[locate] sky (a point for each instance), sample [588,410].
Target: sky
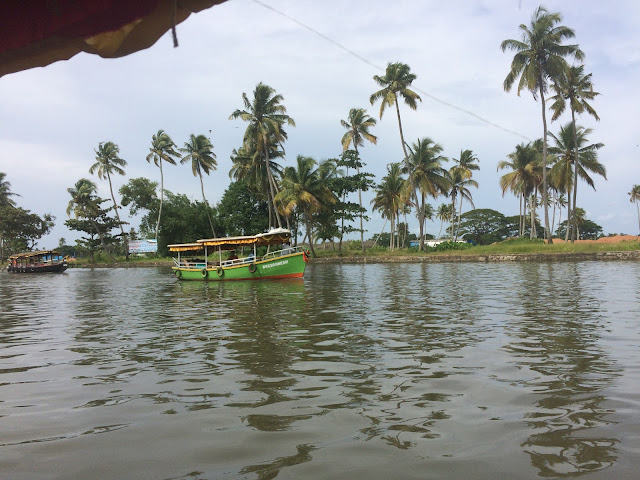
[321,56]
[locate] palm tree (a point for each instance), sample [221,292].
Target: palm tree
[84,204]
[587,161]
[466,163]
[305,188]
[5,192]
[522,178]
[395,84]
[576,88]
[108,161]
[429,177]
[539,57]
[199,150]
[459,183]
[266,116]
[162,148]
[444,214]
[634,195]
[358,124]
[390,196]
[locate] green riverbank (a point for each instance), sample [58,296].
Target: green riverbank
[518,250]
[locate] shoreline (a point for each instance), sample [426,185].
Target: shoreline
[443,258]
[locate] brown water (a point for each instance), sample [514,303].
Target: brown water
[358,371]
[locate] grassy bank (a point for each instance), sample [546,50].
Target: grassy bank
[508,247]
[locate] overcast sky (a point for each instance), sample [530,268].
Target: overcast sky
[52,118]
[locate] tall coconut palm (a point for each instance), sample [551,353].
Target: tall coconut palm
[586,161]
[266,117]
[522,178]
[305,188]
[634,195]
[395,85]
[540,57]
[107,162]
[84,204]
[6,193]
[199,151]
[162,149]
[358,124]
[429,177]
[459,183]
[575,88]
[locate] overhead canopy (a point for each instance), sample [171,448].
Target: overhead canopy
[35,33]
[273,237]
[34,254]
[185,247]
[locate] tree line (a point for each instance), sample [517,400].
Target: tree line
[312,197]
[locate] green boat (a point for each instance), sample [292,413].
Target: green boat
[281,261]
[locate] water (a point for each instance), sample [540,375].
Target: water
[400,371]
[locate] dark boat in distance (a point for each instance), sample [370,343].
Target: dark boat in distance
[37,262]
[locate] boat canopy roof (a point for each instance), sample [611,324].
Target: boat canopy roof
[38,253]
[272,237]
[185,247]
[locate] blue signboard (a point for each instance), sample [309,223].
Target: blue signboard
[143,246]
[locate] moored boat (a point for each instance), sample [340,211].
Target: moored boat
[192,262]
[37,262]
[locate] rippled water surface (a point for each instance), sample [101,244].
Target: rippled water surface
[358,372]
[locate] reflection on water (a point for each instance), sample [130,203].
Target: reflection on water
[357,371]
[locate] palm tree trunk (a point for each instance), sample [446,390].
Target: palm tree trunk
[453,213]
[532,210]
[161,199]
[576,167]
[459,216]
[521,218]
[206,204]
[545,201]
[569,212]
[271,184]
[104,246]
[553,217]
[441,224]
[309,234]
[115,206]
[355,145]
[638,209]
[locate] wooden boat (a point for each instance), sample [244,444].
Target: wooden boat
[285,262]
[37,262]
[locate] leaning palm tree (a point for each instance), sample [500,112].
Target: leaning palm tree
[576,88]
[586,161]
[199,151]
[84,204]
[358,124]
[6,193]
[429,177]
[107,162]
[266,117]
[162,149]
[305,188]
[521,180]
[634,195]
[540,57]
[459,183]
[395,84]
